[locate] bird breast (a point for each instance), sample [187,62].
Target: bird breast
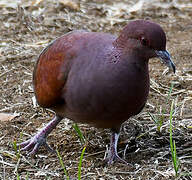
[105,92]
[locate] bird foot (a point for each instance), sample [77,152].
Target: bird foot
[115,157]
[32,145]
[112,152]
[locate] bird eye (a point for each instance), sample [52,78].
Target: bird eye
[144,41]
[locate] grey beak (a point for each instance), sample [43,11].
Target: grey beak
[166,59]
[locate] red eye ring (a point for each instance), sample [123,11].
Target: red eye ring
[144,41]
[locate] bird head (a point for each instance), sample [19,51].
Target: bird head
[146,39]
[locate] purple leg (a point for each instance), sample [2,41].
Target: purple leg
[112,154]
[32,145]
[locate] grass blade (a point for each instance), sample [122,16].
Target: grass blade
[169,94]
[172,143]
[62,165]
[80,163]
[79,133]
[18,177]
[17,151]
[157,121]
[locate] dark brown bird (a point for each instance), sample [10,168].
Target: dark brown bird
[97,78]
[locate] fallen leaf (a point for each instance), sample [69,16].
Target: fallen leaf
[7,117]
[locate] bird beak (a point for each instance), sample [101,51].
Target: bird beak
[166,58]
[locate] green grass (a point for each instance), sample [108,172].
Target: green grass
[159,120]
[80,163]
[27,176]
[79,166]
[62,165]
[172,144]
[79,133]
[17,151]
[18,156]
[18,177]
[82,139]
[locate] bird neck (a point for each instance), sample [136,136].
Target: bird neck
[120,42]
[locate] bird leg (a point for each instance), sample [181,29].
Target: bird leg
[32,145]
[112,153]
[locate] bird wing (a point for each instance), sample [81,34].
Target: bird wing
[52,68]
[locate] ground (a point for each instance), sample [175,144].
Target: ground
[28,26]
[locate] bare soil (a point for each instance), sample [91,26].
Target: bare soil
[26,27]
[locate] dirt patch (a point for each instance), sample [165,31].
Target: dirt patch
[28,26]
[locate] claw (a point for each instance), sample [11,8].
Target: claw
[112,154]
[28,146]
[23,144]
[115,157]
[32,145]
[35,150]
